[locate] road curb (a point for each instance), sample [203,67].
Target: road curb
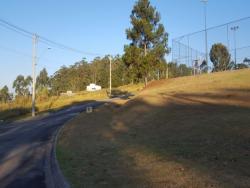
[59,180]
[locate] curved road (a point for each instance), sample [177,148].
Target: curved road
[26,150]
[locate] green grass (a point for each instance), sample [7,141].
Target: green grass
[183,132]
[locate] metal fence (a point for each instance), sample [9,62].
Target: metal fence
[190,50]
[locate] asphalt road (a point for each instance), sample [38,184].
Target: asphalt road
[26,150]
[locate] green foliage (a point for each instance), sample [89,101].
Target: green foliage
[241,66]
[246,61]
[148,41]
[43,94]
[4,94]
[42,80]
[133,61]
[119,72]
[81,74]
[176,70]
[22,84]
[220,57]
[75,78]
[204,67]
[100,71]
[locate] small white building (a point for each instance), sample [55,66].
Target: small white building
[68,93]
[93,87]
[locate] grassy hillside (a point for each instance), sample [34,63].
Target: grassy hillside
[183,132]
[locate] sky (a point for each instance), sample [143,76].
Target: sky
[96,26]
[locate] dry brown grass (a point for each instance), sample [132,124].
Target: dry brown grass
[22,107]
[184,132]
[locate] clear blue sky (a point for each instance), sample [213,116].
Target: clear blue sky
[96,26]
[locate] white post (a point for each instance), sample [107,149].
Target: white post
[34,43]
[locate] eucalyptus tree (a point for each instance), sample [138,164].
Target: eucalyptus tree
[4,94]
[220,57]
[22,85]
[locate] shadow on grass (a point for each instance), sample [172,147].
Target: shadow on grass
[183,140]
[13,113]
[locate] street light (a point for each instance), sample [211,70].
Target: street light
[205,20]
[234,29]
[43,53]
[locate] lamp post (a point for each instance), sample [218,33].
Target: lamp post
[205,22]
[234,29]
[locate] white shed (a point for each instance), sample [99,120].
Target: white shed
[93,87]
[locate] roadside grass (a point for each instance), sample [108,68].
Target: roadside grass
[183,132]
[22,108]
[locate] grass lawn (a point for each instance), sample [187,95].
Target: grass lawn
[183,132]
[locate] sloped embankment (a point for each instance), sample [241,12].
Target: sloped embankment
[184,132]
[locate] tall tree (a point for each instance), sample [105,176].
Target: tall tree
[220,57]
[42,80]
[147,34]
[22,84]
[4,94]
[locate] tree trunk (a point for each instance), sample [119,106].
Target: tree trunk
[146,81]
[145,49]
[145,53]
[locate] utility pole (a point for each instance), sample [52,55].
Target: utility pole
[205,21]
[234,29]
[34,59]
[110,76]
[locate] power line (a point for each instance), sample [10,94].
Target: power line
[42,39]
[16,27]
[17,52]
[64,47]
[14,51]
[12,29]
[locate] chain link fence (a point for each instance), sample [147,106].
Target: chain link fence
[190,49]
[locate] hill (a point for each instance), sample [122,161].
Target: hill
[183,132]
